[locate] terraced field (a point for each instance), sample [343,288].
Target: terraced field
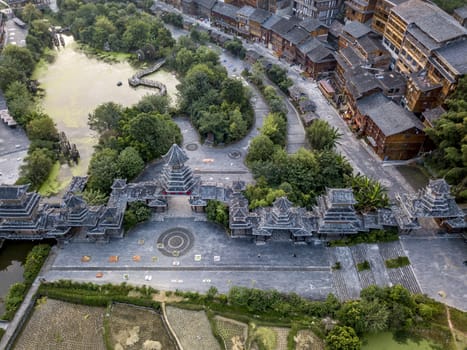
[59,325]
[133,327]
[232,332]
[192,329]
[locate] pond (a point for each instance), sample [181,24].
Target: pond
[12,257]
[386,341]
[75,85]
[415,175]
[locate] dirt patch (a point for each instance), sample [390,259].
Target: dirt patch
[192,329]
[306,340]
[63,326]
[132,327]
[162,297]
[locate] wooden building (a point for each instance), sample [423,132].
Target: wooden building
[266,30]
[320,62]
[224,16]
[381,14]
[324,10]
[359,10]
[352,31]
[198,8]
[256,20]
[393,132]
[279,31]
[315,28]
[243,20]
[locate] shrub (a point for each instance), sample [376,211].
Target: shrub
[400,261]
[363,266]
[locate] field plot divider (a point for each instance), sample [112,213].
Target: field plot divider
[169,327]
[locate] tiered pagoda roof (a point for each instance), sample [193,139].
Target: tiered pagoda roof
[175,156]
[17,203]
[176,177]
[336,213]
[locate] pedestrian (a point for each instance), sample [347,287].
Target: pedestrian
[294,255]
[259,255]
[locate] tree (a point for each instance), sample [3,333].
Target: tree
[136,34]
[218,212]
[29,13]
[342,338]
[102,28]
[16,65]
[322,136]
[130,163]
[105,117]
[275,127]
[151,134]
[42,128]
[153,103]
[36,168]
[369,194]
[20,102]
[95,197]
[235,46]
[103,169]
[261,149]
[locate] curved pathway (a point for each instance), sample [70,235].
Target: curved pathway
[138,79]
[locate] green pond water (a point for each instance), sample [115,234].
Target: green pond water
[12,257]
[386,341]
[75,85]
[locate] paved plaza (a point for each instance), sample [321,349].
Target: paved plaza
[212,258]
[438,265]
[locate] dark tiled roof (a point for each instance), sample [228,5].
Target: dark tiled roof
[461,12]
[389,116]
[356,29]
[370,44]
[226,10]
[260,16]
[320,53]
[205,3]
[433,114]
[296,36]
[336,28]
[284,26]
[8,192]
[341,196]
[246,11]
[430,19]
[308,45]
[391,80]
[175,156]
[311,24]
[271,21]
[456,55]
[422,37]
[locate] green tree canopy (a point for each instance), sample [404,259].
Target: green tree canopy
[20,102]
[342,338]
[36,168]
[322,136]
[130,163]
[42,128]
[105,117]
[103,169]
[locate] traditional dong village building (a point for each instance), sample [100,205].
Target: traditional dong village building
[324,10]
[359,10]
[429,47]
[392,131]
[24,216]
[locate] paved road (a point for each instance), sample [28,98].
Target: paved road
[14,34]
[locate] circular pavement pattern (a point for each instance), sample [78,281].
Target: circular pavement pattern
[175,242]
[235,154]
[191,147]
